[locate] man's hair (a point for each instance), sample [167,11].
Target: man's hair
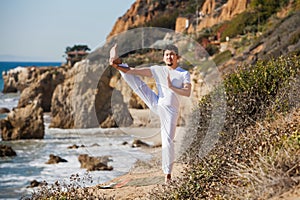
[171,47]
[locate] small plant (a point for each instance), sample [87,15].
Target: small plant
[76,188]
[222,57]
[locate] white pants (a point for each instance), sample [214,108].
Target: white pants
[168,118]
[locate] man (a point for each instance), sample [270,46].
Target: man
[171,81]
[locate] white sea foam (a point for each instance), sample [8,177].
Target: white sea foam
[9,101]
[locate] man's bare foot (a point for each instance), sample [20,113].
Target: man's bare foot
[168,178]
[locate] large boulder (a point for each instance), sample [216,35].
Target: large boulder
[94,163]
[85,100]
[24,123]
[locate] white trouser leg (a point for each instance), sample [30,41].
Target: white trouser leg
[168,120]
[142,90]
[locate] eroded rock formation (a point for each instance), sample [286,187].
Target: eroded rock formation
[43,86]
[24,123]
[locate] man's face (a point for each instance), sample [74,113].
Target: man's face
[170,58]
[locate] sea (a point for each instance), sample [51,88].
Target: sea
[17,172]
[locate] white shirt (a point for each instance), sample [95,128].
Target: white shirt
[178,77]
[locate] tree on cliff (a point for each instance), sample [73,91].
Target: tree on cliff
[77,48]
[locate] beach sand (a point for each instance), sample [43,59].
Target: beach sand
[144,176]
[136,184]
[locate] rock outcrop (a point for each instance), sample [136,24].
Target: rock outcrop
[85,99]
[43,86]
[24,123]
[94,163]
[19,78]
[142,12]
[6,151]
[213,12]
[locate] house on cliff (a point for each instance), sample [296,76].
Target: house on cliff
[75,56]
[76,53]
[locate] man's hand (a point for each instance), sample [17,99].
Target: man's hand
[115,62]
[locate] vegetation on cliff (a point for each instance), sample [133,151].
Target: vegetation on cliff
[256,155]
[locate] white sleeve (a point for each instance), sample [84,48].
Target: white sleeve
[154,69]
[187,77]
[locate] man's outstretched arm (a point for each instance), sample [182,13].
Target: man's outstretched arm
[136,71]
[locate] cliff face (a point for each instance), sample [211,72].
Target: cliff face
[143,11]
[214,11]
[211,12]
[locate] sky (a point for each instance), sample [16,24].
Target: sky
[40,30]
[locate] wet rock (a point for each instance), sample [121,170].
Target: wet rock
[74,146]
[4,110]
[55,159]
[94,163]
[6,151]
[36,183]
[95,145]
[139,143]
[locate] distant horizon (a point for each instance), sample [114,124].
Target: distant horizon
[13,58]
[31,61]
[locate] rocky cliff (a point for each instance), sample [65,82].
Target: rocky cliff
[210,12]
[214,11]
[143,11]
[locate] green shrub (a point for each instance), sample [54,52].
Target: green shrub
[166,20]
[222,57]
[267,7]
[240,24]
